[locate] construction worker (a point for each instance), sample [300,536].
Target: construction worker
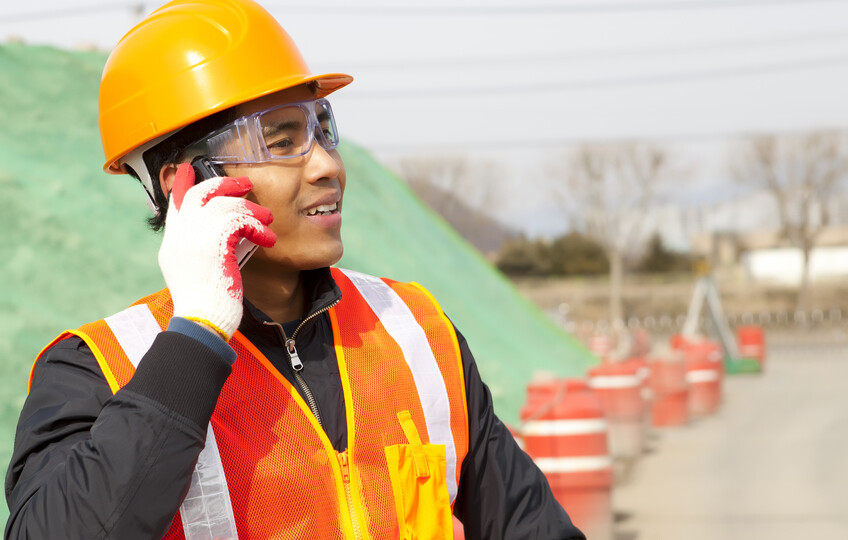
[281,399]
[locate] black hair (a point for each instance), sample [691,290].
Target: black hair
[171,151]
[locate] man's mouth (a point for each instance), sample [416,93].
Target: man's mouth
[322,210]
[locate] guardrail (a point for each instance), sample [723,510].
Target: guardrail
[672,322]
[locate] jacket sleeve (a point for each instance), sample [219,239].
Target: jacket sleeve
[501,492]
[87,464]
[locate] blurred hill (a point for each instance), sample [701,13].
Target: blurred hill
[77,248]
[478,228]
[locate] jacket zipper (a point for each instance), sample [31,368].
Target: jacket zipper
[294,359]
[297,366]
[345,467]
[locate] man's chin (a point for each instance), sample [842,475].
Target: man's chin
[320,257]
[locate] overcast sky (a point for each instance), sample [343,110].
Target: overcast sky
[519,79]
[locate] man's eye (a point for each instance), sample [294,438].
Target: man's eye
[281,145]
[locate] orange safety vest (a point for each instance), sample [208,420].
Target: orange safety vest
[268,469]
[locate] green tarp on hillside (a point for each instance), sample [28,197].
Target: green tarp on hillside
[76,246]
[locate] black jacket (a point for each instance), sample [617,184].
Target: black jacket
[88,465]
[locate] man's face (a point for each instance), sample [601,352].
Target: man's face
[294,189]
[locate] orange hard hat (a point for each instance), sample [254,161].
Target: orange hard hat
[190,59]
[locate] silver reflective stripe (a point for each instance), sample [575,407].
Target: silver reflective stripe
[135,329]
[401,325]
[207,511]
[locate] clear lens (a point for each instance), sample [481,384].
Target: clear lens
[326,125]
[282,132]
[285,132]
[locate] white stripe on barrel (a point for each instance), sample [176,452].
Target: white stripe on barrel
[573,464]
[549,428]
[614,381]
[697,376]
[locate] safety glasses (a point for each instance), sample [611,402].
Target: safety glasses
[282,132]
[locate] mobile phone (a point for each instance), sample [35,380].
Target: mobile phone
[204,170]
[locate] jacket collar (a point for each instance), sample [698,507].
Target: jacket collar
[321,293]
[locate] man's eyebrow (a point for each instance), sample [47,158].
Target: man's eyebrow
[323,116]
[281,126]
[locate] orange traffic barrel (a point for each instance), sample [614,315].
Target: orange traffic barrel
[702,348]
[565,432]
[751,342]
[619,386]
[704,373]
[670,390]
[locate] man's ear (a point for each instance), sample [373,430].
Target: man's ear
[166,178]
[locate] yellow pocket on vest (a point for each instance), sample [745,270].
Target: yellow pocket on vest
[417,473]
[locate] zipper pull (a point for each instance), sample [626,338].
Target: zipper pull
[296,364]
[344,466]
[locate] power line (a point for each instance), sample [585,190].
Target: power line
[534,9]
[446,10]
[531,87]
[68,12]
[667,49]
[559,142]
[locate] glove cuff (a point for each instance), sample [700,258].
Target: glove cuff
[210,324]
[223,322]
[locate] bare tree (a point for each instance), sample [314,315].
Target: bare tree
[802,173]
[461,190]
[434,179]
[608,189]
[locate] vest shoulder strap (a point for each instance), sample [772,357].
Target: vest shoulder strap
[427,341]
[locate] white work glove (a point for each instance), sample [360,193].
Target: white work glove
[197,256]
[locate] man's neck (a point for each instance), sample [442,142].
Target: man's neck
[278,294]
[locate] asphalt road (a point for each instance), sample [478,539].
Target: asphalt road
[771,464]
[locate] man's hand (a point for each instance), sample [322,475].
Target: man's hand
[197,256]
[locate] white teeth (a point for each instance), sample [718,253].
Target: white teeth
[323,209]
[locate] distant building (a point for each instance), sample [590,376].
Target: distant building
[741,238]
[766,256]
[785,265]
